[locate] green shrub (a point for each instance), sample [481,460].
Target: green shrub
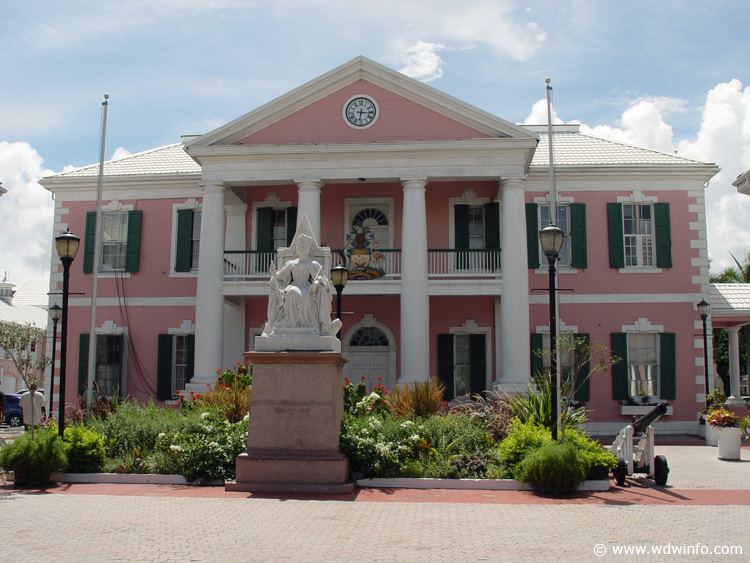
[135,427]
[554,468]
[535,405]
[207,448]
[86,452]
[34,460]
[493,409]
[599,461]
[357,401]
[378,446]
[524,438]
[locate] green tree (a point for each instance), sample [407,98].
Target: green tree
[732,274]
[17,341]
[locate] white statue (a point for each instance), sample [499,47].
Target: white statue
[299,300]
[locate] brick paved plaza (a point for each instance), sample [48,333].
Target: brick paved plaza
[705,504]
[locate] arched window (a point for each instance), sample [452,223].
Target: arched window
[370,217]
[369,337]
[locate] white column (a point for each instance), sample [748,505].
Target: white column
[235,342]
[209,307]
[415,299]
[735,397]
[515,336]
[308,194]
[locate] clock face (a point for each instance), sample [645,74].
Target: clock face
[360,111]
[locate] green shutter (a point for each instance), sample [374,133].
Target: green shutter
[492,226]
[190,371]
[616,236]
[184,240]
[461,227]
[619,348]
[89,243]
[532,234]
[264,229]
[83,363]
[291,224]
[478,359]
[537,361]
[164,389]
[663,235]
[578,250]
[133,249]
[583,384]
[667,366]
[445,364]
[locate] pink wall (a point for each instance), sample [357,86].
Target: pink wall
[399,120]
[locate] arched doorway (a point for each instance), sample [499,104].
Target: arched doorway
[371,351]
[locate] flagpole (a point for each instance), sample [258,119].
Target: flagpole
[97,263]
[554,348]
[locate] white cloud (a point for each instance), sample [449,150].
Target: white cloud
[120,153]
[423,62]
[642,125]
[724,138]
[538,114]
[26,214]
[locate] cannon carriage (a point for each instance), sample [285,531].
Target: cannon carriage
[634,450]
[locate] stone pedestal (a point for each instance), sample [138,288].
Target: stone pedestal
[296,405]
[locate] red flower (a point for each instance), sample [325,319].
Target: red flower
[346,380]
[379,378]
[363,377]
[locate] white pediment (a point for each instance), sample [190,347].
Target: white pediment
[357,69]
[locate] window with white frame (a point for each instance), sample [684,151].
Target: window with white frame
[563,222]
[187,247]
[114,240]
[462,372]
[643,363]
[180,361]
[109,358]
[278,228]
[638,229]
[565,343]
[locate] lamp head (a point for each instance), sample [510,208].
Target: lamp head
[55,312]
[67,245]
[703,309]
[339,277]
[551,238]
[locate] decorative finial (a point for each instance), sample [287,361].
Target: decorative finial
[546,80]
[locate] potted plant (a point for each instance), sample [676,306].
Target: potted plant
[714,401]
[730,436]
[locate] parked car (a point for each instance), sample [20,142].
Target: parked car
[13,411]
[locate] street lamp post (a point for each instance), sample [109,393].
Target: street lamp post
[67,248]
[339,277]
[551,238]
[55,312]
[704,308]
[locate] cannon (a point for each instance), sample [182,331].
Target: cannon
[634,449]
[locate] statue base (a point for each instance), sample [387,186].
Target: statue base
[281,342]
[296,405]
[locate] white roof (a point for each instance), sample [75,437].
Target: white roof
[730,299]
[34,293]
[573,148]
[23,315]
[170,159]
[570,149]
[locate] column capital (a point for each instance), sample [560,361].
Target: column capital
[513,182]
[213,188]
[414,183]
[309,184]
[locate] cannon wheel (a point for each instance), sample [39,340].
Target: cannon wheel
[619,472]
[661,470]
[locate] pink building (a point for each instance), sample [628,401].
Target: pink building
[434,206]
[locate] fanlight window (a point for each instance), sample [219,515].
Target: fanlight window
[369,337]
[370,217]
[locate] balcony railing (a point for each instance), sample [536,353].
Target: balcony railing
[449,262]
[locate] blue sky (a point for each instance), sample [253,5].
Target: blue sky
[665,75]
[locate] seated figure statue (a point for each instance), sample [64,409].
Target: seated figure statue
[299,303]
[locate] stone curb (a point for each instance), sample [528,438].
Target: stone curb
[124,479]
[469,484]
